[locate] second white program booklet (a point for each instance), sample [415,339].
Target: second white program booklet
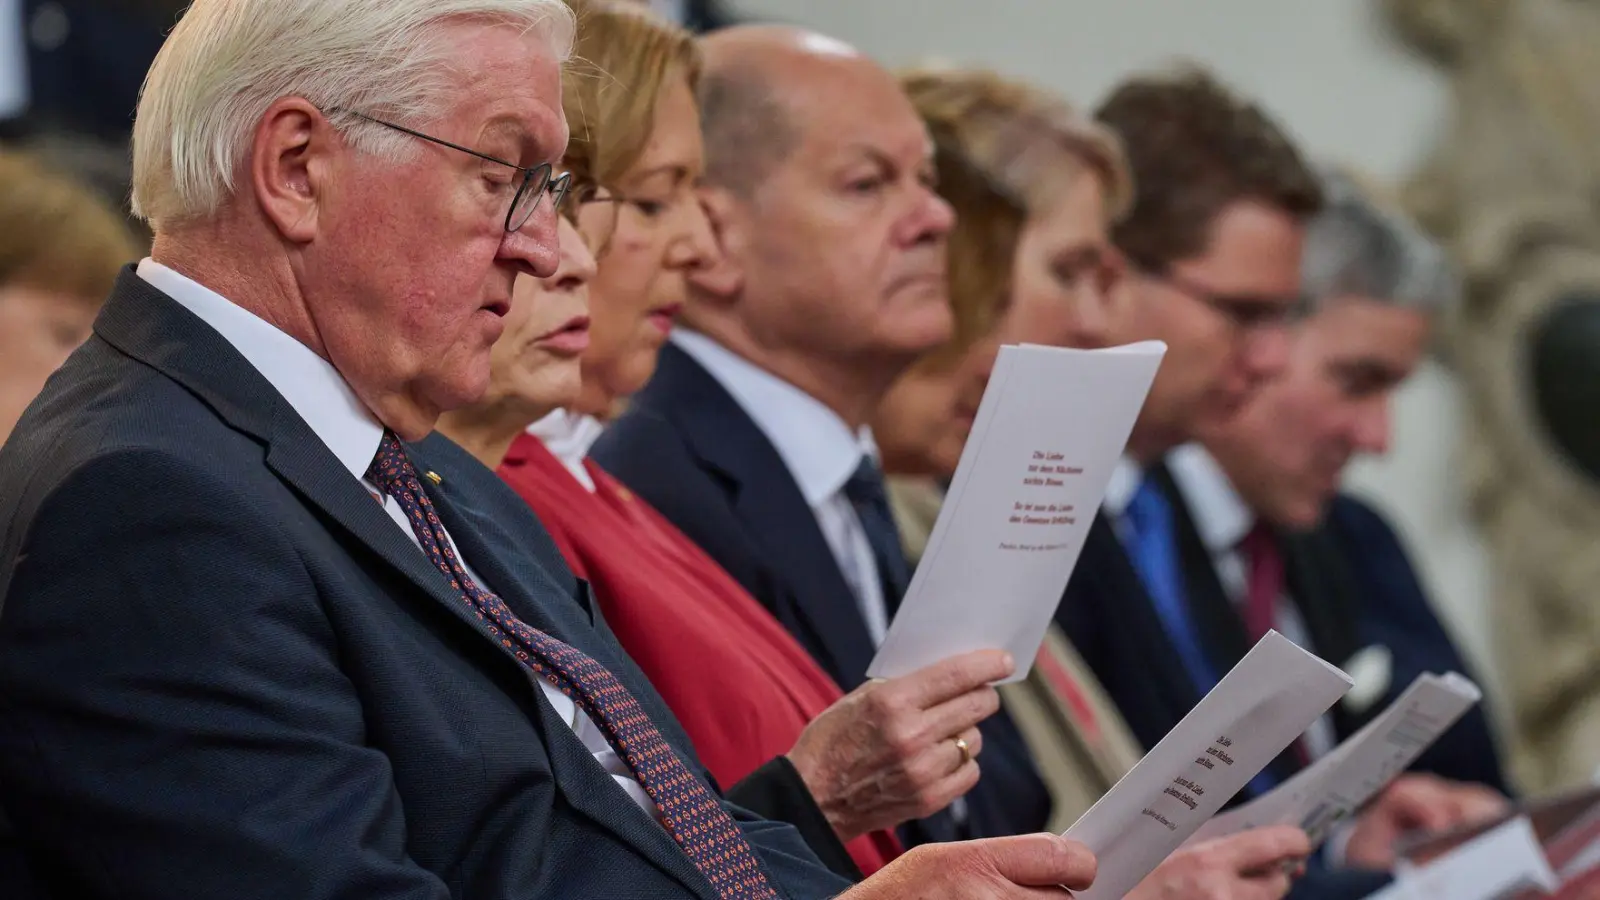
[1051,427]
[1270,698]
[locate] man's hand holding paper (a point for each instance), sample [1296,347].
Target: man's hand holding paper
[1026,867]
[1259,864]
[897,750]
[1417,803]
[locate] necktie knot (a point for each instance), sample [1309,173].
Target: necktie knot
[1148,510]
[866,483]
[390,467]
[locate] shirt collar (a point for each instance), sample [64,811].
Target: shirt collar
[311,385]
[1220,514]
[816,445]
[1124,483]
[569,436]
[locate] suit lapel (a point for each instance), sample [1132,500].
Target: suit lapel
[155,329]
[312,470]
[1223,632]
[1323,590]
[1124,593]
[592,793]
[1223,635]
[817,600]
[824,603]
[505,563]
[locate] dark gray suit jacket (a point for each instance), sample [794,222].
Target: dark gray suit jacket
[225,672]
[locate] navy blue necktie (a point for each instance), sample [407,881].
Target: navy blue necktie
[866,493]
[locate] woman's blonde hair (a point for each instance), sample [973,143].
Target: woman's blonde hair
[1004,150]
[624,58]
[57,235]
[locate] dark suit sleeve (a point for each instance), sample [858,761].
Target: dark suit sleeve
[1397,614]
[173,718]
[776,791]
[787,849]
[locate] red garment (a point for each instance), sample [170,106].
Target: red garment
[739,683]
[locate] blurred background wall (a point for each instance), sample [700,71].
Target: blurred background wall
[1332,73]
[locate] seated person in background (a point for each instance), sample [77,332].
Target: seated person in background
[261,635]
[768,722]
[61,248]
[1287,549]
[1213,240]
[752,436]
[1033,186]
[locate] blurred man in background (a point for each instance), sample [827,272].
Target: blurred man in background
[1214,243]
[1288,550]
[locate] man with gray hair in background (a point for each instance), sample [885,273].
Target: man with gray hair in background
[1294,553]
[260,635]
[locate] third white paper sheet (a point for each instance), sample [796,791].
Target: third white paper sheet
[1340,783]
[1052,424]
[1497,864]
[1257,710]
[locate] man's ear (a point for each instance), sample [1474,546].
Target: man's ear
[290,166]
[722,278]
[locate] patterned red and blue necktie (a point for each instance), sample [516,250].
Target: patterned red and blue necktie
[692,814]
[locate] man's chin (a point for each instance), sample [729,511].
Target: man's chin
[455,390]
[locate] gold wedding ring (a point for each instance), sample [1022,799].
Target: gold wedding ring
[966,752]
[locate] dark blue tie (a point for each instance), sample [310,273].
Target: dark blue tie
[865,492]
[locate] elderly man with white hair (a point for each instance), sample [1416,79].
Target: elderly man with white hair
[260,636]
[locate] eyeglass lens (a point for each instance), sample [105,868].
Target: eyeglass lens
[535,185]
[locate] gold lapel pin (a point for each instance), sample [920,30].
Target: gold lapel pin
[434,477]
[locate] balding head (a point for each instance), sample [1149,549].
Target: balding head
[819,190]
[758,87]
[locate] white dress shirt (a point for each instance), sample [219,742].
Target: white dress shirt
[821,453]
[569,436]
[322,398]
[1125,479]
[1223,520]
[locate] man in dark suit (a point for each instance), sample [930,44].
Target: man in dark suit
[1214,242]
[752,435]
[1284,548]
[259,635]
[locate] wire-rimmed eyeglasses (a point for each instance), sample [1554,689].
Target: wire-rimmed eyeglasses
[536,181]
[1248,313]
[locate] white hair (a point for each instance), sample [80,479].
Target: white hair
[227,61]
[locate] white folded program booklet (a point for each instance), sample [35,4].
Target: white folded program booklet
[1051,427]
[1501,863]
[1270,698]
[1339,784]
